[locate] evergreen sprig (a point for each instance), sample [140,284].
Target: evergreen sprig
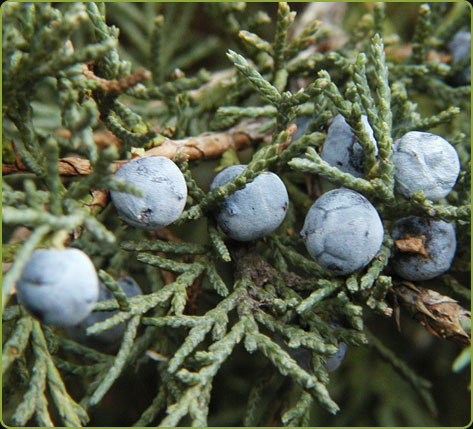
[70,91]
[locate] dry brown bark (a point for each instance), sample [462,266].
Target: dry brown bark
[207,145]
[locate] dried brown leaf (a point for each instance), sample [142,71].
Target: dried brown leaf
[439,314]
[412,245]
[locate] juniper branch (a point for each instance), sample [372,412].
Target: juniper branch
[120,361]
[421,34]
[27,406]
[70,412]
[267,90]
[16,344]
[142,303]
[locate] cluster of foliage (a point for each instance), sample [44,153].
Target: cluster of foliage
[224,326]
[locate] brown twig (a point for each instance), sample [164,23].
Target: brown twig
[207,145]
[120,85]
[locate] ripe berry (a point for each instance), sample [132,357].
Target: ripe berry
[336,360]
[302,123]
[165,192]
[110,337]
[58,286]
[460,47]
[425,162]
[255,210]
[341,149]
[434,250]
[342,231]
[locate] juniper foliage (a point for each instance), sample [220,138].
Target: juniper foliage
[224,333]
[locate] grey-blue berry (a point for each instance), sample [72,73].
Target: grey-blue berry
[460,47]
[439,245]
[302,123]
[334,362]
[255,210]
[165,192]
[301,355]
[425,162]
[58,286]
[341,149]
[342,231]
[110,337]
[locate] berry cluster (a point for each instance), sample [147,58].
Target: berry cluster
[342,238]
[342,230]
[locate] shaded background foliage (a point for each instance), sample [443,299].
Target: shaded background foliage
[191,37]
